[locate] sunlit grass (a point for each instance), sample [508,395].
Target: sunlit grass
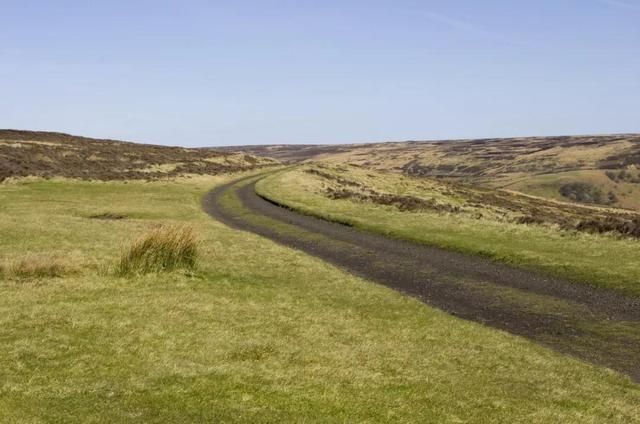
[260,333]
[36,266]
[162,249]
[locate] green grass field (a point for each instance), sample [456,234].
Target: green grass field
[601,260]
[256,333]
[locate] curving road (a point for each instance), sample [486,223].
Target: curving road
[599,326]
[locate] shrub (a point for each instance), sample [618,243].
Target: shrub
[624,176]
[613,176]
[163,249]
[583,193]
[529,219]
[626,227]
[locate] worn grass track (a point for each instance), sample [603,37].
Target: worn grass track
[596,325]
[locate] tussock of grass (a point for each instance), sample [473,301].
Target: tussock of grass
[163,249]
[35,266]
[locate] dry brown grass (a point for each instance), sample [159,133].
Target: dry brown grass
[164,248]
[35,266]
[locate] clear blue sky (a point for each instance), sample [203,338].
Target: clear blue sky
[249,72]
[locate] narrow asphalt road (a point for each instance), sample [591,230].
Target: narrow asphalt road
[599,326]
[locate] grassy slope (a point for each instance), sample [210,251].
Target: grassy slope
[600,260]
[48,154]
[548,186]
[261,333]
[533,165]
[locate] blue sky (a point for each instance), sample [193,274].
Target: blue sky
[204,73]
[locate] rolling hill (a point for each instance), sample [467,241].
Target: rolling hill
[603,170]
[51,154]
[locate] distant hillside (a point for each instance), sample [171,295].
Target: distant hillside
[601,170]
[49,154]
[292,153]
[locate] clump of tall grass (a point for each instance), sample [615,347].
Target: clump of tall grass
[35,266]
[164,248]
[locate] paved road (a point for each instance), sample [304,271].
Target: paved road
[599,326]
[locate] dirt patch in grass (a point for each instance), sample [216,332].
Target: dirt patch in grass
[108,216]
